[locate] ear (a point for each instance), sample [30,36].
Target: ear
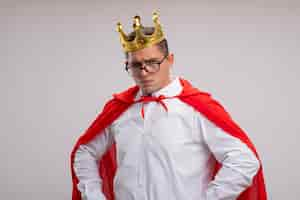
[171,58]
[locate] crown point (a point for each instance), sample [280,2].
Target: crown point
[137,21]
[119,26]
[137,17]
[155,16]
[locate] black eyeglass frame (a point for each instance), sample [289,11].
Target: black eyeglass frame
[144,66]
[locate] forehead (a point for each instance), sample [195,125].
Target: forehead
[145,54]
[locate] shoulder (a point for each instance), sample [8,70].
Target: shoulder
[124,96]
[201,100]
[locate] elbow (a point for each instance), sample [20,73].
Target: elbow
[251,167]
[246,164]
[255,166]
[253,163]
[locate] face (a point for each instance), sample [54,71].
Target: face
[151,81]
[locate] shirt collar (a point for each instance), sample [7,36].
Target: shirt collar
[172,89]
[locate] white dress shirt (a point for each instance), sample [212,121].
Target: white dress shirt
[168,155]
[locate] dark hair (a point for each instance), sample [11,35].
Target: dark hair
[148,30]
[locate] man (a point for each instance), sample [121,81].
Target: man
[163,139]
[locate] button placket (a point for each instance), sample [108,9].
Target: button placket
[140,178]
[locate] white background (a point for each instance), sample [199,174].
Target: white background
[60,61]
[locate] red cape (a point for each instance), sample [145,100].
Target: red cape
[201,101]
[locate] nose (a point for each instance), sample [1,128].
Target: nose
[143,71]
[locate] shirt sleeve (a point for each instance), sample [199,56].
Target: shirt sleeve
[239,163]
[86,166]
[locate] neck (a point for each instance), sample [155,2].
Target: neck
[146,94]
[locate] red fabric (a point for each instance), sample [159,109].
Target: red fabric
[201,101]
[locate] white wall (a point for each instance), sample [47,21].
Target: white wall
[61,60]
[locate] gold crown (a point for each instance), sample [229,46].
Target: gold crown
[141,40]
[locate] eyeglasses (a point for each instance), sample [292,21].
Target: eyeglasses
[150,66]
